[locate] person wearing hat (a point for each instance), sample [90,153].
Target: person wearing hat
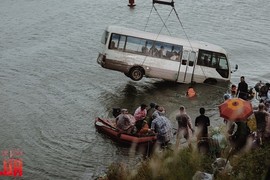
[140,115]
[124,122]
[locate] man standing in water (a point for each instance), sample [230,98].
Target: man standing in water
[162,126]
[242,89]
[261,120]
[201,122]
[184,124]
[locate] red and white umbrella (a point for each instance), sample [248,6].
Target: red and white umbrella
[235,109]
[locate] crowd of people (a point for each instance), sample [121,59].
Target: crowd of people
[152,120]
[238,131]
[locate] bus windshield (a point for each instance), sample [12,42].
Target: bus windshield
[104,37]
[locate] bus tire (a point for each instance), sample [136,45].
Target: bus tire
[210,81]
[136,73]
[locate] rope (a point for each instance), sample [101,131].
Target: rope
[182,28]
[188,42]
[148,18]
[164,23]
[145,29]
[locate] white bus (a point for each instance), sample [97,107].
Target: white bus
[139,53]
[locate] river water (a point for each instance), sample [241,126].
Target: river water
[51,88]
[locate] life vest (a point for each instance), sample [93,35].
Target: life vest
[191,92]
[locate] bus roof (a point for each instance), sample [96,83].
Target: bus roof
[165,38]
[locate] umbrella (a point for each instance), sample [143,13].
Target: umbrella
[235,109]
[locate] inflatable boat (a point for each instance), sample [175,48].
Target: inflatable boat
[107,127]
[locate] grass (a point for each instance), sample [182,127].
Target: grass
[184,163]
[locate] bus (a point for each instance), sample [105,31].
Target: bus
[140,54]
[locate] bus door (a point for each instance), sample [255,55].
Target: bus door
[186,69]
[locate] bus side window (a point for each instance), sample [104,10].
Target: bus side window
[145,50]
[205,60]
[112,45]
[200,61]
[114,41]
[191,58]
[215,60]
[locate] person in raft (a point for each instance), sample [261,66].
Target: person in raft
[124,121]
[140,115]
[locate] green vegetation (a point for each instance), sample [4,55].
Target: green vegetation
[184,163]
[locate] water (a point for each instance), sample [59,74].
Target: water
[51,88]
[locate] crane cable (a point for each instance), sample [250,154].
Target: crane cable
[164,24]
[148,18]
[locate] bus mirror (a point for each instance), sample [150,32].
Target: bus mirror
[235,69]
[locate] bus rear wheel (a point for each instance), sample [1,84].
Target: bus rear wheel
[136,73]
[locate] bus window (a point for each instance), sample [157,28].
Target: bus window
[167,48]
[158,49]
[223,63]
[114,41]
[153,51]
[192,57]
[104,37]
[122,42]
[185,55]
[179,50]
[215,60]
[200,60]
[145,49]
[134,45]
[204,58]
[223,68]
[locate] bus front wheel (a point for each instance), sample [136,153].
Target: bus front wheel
[136,73]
